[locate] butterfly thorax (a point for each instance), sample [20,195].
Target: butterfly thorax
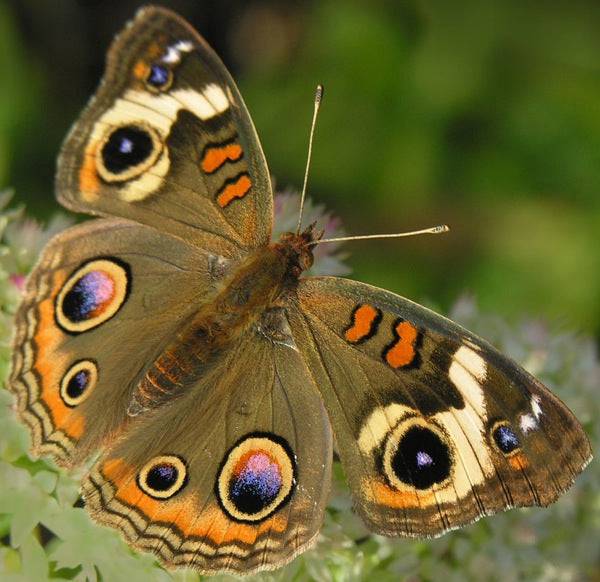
[246,297]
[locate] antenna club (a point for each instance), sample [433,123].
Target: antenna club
[319,94]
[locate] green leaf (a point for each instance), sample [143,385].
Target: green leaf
[24,500]
[97,549]
[33,559]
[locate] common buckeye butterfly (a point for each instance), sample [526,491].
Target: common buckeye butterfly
[176,338]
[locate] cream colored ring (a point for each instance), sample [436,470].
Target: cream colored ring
[391,446]
[134,171]
[118,272]
[276,452]
[82,366]
[180,481]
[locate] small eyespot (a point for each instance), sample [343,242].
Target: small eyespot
[92,294]
[256,478]
[79,381]
[163,477]
[127,151]
[159,77]
[505,438]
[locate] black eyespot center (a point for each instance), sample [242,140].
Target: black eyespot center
[78,383]
[421,458]
[88,296]
[126,148]
[162,476]
[505,438]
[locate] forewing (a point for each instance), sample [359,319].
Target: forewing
[167,140]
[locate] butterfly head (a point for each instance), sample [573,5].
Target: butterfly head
[298,248]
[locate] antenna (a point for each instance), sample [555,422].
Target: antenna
[441,228]
[318,98]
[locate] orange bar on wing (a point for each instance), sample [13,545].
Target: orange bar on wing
[237,189]
[215,157]
[363,322]
[89,182]
[403,352]
[192,516]
[387,497]
[47,337]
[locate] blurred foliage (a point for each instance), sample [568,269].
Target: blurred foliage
[45,534]
[483,114]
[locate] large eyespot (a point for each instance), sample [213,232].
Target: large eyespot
[127,151]
[417,455]
[160,77]
[163,476]
[505,438]
[257,477]
[79,381]
[92,294]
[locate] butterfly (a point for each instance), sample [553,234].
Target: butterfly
[173,336]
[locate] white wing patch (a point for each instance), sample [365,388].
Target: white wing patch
[173,55]
[467,370]
[217,97]
[379,424]
[530,421]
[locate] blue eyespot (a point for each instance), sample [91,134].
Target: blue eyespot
[78,382]
[423,460]
[125,145]
[256,482]
[89,297]
[159,76]
[257,477]
[506,439]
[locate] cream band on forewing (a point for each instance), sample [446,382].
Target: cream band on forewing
[156,113]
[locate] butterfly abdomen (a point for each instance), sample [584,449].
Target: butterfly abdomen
[245,296]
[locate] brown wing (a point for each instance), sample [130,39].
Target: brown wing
[434,427]
[231,476]
[167,141]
